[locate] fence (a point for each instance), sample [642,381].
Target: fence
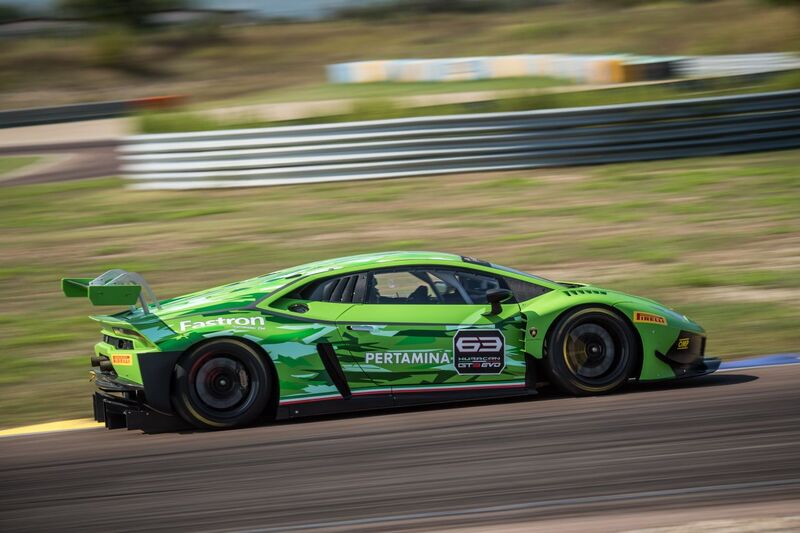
[463,143]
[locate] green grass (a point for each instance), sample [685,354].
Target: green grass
[731,262]
[342,91]
[274,61]
[13,163]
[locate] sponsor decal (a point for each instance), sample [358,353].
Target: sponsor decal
[249,322]
[479,351]
[121,359]
[683,343]
[649,318]
[408,358]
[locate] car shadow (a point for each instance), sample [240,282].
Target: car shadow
[545,393]
[710,380]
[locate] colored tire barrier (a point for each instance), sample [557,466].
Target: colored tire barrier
[591,69]
[463,143]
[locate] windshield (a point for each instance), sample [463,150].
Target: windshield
[521,273]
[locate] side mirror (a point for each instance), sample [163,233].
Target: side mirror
[496,297]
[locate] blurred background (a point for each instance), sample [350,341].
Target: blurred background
[81,191]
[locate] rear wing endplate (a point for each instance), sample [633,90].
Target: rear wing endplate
[115,287]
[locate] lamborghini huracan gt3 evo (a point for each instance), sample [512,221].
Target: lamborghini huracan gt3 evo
[370,331]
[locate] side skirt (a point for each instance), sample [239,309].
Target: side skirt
[398,398]
[410,398]
[328,406]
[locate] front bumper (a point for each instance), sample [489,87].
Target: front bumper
[698,368]
[686,356]
[702,367]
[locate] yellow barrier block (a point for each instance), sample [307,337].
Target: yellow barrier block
[603,71]
[49,427]
[616,71]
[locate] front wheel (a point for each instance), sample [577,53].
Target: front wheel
[222,384]
[591,351]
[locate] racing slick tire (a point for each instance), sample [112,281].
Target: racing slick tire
[591,350]
[222,384]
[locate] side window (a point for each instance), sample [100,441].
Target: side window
[476,284]
[419,286]
[447,288]
[415,286]
[343,289]
[402,287]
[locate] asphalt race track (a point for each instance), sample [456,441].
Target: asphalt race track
[658,454]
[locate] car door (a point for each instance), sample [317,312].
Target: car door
[424,329]
[318,304]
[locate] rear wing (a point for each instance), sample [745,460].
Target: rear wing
[115,287]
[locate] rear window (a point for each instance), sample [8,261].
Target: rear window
[337,290]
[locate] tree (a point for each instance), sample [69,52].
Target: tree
[9,13]
[131,13]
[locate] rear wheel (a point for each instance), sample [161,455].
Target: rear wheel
[222,384]
[591,350]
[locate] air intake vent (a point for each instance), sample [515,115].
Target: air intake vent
[576,292]
[116,342]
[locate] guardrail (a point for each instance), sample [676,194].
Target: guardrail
[36,116]
[463,143]
[66,113]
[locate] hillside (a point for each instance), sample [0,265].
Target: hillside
[210,64]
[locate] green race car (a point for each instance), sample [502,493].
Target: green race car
[370,331]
